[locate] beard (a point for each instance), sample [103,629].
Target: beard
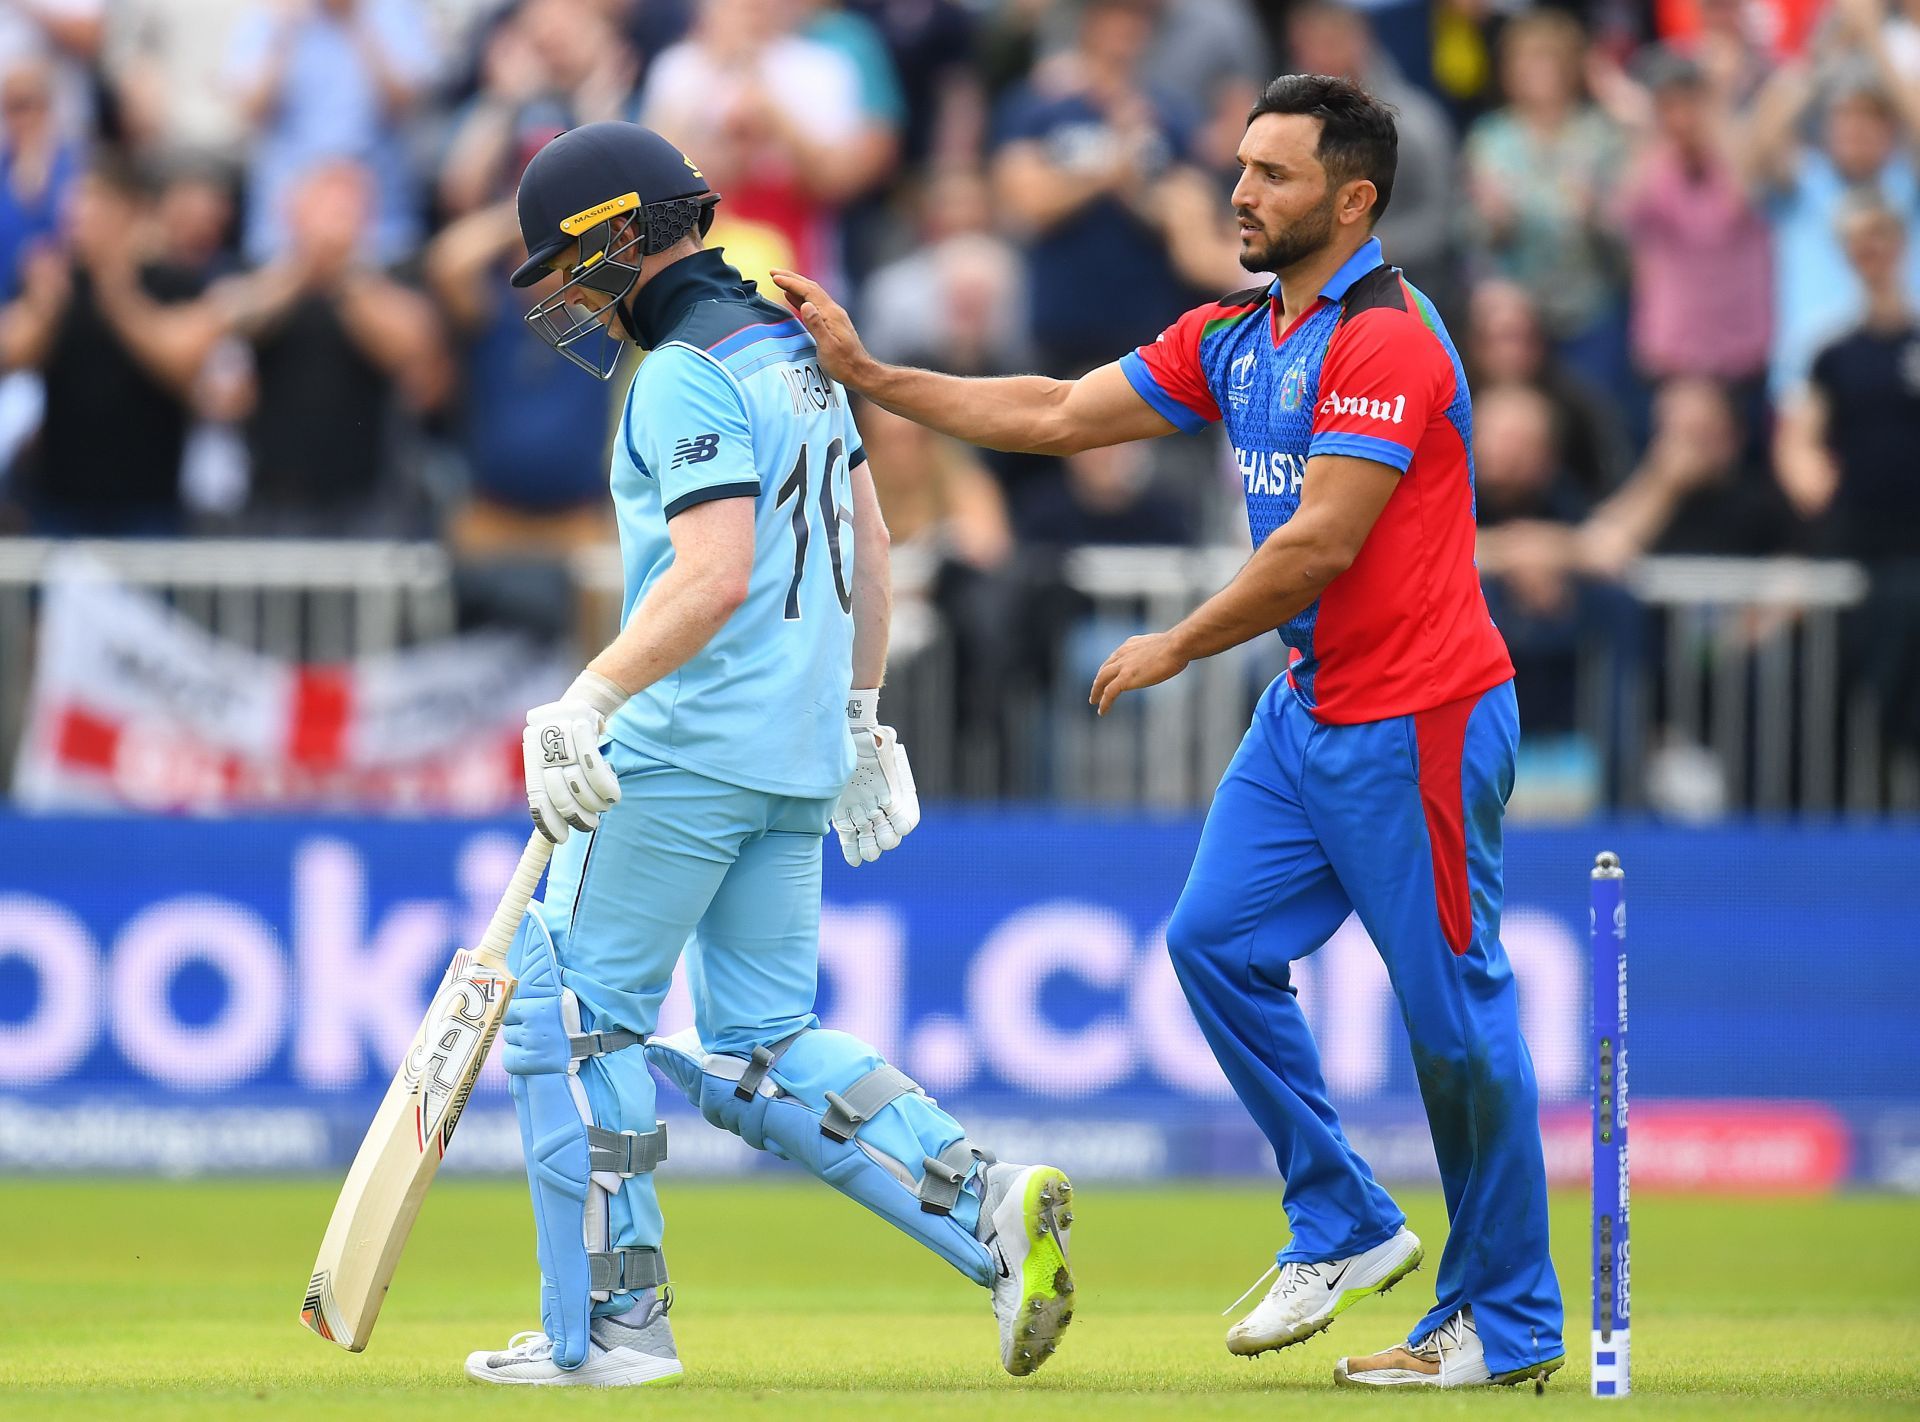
[1293,244]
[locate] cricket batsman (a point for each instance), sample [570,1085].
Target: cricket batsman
[1377,769]
[688,776]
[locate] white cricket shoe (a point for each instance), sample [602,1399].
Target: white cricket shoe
[1450,1356]
[1308,1297]
[1024,1218]
[618,1355]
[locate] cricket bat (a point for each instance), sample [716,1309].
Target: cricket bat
[404,1146]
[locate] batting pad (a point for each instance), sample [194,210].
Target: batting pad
[827,1102]
[574,1166]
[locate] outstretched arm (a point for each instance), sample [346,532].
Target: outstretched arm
[1022,412]
[1339,503]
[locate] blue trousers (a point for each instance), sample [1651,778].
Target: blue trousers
[1398,821]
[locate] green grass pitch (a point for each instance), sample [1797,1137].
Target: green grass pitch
[177,1301]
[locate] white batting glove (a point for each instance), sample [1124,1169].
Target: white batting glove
[569,782]
[879,806]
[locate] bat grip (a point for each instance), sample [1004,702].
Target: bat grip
[513,904]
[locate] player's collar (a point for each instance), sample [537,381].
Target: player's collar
[1358,265]
[704,276]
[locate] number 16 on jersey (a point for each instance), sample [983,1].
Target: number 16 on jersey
[832,515]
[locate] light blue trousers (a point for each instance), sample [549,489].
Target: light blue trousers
[731,877]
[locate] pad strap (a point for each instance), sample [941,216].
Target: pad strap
[763,1062]
[621,1271]
[848,1110]
[946,1172]
[626,1153]
[597,1044]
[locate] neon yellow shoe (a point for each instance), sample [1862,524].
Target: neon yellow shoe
[1024,1219]
[1308,1297]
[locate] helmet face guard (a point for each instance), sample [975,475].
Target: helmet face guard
[576,327]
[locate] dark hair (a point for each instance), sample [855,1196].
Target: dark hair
[1358,138]
[113,169]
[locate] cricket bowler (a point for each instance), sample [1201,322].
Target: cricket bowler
[702,757]
[1377,769]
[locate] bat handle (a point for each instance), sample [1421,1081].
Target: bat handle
[513,904]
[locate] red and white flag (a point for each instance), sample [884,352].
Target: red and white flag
[136,707]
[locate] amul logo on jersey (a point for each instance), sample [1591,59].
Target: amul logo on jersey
[1389,412]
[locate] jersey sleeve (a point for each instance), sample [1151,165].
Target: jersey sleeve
[1384,376]
[687,428]
[1168,374]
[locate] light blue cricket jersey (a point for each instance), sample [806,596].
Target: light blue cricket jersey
[731,402]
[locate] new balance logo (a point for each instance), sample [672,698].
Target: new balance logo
[1389,412]
[697,450]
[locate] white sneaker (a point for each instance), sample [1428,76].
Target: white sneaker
[618,1355]
[1450,1356]
[1308,1297]
[1024,1218]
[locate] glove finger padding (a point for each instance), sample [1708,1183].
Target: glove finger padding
[849,841]
[544,819]
[903,800]
[601,778]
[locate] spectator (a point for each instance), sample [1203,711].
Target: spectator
[1816,293]
[37,166]
[1702,263]
[866,233]
[932,43]
[939,499]
[323,80]
[1727,46]
[651,27]
[1329,38]
[1529,550]
[1902,36]
[1080,160]
[883,104]
[533,430]
[1847,441]
[547,67]
[957,301]
[339,349]
[166,61]
[1505,345]
[1539,174]
[193,233]
[119,341]
[1847,454]
[66,35]
[1694,492]
[1107,498]
[1200,47]
[780,128]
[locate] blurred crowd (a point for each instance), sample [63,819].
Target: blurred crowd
[253,258]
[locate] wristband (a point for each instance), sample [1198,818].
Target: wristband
[598,692]
[863,710]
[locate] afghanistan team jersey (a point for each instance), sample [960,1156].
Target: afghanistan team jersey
[1368,371]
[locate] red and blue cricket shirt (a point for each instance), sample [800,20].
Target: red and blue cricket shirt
[1368,371]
